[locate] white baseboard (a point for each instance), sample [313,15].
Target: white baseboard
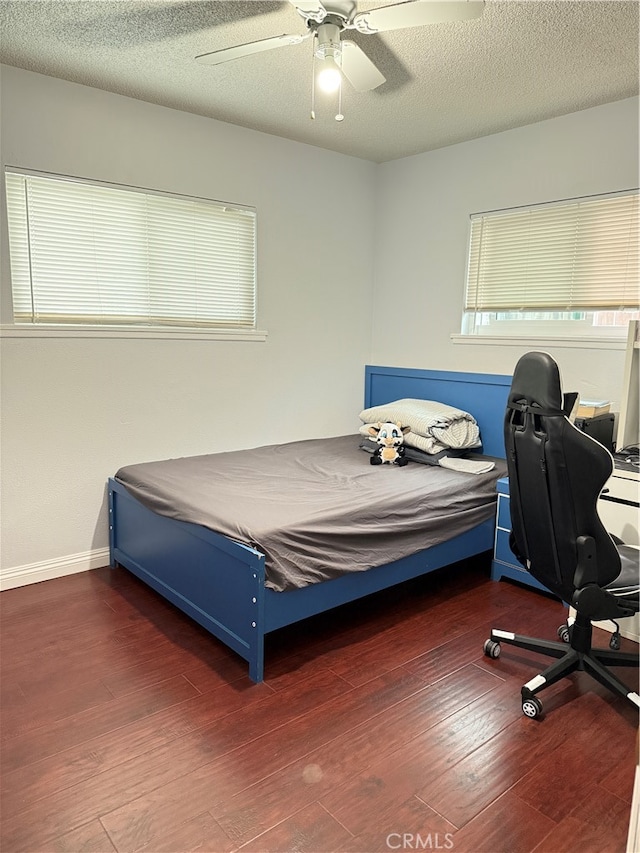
[49,569]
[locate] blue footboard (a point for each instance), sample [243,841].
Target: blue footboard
[218,582]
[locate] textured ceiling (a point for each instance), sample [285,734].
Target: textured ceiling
[521,62]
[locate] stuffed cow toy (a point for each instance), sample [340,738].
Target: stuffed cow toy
[389,438]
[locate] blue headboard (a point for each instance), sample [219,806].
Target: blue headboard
[483,395]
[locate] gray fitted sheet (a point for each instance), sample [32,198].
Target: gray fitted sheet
[316,509]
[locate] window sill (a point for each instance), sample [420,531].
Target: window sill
[151,333]
[528,342]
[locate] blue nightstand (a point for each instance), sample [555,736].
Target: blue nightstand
[504,563]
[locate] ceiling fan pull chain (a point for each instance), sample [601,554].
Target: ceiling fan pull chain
[313,77]
[339,116]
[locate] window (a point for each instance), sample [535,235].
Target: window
[104,255]
[564,269]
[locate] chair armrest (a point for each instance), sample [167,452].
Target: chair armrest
[587,568]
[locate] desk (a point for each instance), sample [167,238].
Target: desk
[618,508]
[618,505]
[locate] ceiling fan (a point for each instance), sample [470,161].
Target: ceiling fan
[337,57]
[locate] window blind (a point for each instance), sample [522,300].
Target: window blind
[84,253]
[571,256]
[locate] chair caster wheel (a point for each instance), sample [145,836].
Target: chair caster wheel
[491,649]
[563,633]
[531,707]
[614,642]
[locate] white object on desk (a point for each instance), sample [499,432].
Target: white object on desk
[628,431]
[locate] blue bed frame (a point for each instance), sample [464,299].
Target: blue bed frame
[220,583]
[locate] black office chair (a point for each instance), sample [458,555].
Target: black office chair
[556,474]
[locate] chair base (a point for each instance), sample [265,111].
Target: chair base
[579,656]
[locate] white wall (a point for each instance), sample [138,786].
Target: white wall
[74,410]
[423,208]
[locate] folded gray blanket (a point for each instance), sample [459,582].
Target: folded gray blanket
[433,426]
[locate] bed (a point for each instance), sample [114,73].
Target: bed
[223,583]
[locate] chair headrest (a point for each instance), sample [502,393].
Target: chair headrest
[536,382]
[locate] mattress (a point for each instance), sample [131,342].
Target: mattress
[317,508]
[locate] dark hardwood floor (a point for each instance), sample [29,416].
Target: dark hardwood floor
[380,726]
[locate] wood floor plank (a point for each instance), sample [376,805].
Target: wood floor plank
[175,661]
[308,831]
[211,786]
[411,825]
[60,735]
[389,782]
[621,777]
[11,695]
[69,767]
[90,838]
[118,656]
[318,773]
[77,642]
[598,821]
[508,825]
[76,623]
[450,653]
[160,766]
[132,729]
[201,833]
[25,600]
[61,704]
[605,734]
[462,791]
[405,642]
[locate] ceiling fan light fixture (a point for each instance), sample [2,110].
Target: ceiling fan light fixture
[328,42]
[326,20]
[329,77]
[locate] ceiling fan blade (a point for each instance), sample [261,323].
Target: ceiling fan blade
[359,69]
[416,14]
[228,53]
[310,9]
